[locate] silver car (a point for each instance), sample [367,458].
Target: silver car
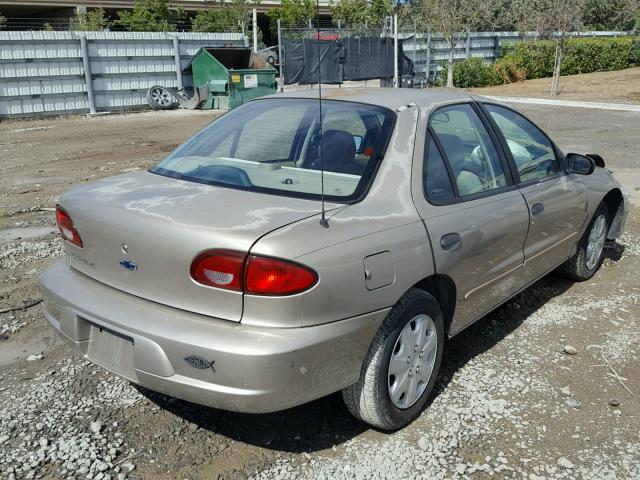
[294,248]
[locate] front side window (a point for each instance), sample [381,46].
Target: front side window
[280,146]
[469,150]
[532,151]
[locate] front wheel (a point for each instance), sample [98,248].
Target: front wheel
[590,252]
[402,365]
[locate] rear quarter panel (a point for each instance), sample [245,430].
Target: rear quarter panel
[386,220]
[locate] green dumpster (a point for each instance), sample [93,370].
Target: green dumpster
[231,75]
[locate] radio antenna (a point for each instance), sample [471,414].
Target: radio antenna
[323,219]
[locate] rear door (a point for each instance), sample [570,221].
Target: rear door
[475,216]
[556,201]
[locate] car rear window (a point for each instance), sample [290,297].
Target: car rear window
[279,146]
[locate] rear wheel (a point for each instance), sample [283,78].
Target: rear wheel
[590,253]
[402,364]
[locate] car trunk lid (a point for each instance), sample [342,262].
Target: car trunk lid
[142,231]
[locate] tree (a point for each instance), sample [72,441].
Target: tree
[453,19]
[361,12]
[91,21]
[610,14]
[551,19]
[3,21]
[350,12]
[378,11]
[150,16]
[293,12]
[228,16]
[214,20]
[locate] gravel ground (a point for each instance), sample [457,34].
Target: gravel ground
[537,389]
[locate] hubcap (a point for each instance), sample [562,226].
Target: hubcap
[412,361]
[596,240]
[161,96]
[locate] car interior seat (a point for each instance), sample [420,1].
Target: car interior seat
[339,153]
[467,181]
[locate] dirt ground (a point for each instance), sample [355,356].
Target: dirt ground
[509,402]
[617,86]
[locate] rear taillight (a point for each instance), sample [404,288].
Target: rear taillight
[219,268]
[255,275]
[270,276]
[67,228]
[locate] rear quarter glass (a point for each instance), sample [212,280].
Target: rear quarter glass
[280,146]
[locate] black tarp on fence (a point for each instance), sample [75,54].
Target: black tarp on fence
[368,58]
[347,59]
[330,53]
[294,61]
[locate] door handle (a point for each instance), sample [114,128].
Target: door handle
[537,208]
[450,240]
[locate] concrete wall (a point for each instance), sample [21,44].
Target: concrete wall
[43,73]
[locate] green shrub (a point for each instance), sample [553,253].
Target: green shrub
[508,70]
[535,57]
[634,53]
[587,55]
[581,55]
[473,72]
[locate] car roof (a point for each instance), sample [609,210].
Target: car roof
[384,97]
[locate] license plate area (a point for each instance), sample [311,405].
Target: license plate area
[111,350]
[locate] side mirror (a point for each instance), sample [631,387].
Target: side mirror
[579,164]
[598,160]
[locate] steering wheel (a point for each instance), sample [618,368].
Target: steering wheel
[223,174]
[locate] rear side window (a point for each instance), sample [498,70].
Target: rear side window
[532,151]
[279,146]
[436,180]
[468,149]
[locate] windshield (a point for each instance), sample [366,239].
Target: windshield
[275,145]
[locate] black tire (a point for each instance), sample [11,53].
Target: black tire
[577,268]
[369,398]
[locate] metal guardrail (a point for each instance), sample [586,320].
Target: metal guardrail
[46,73]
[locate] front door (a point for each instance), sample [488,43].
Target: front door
[556,200]
[475,216]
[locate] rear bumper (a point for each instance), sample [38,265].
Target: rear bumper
[254,369]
